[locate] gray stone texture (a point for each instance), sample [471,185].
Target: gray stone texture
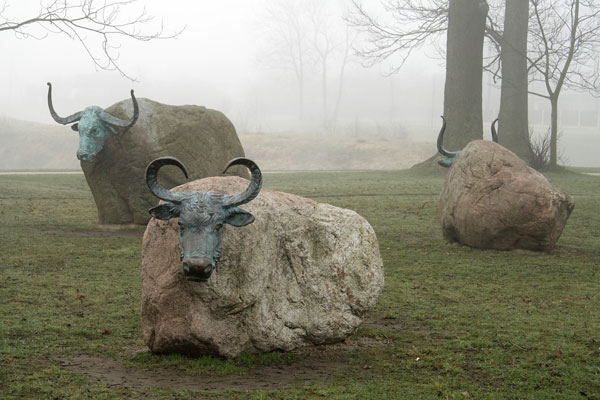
[304,273]
[203,139]
[491,199]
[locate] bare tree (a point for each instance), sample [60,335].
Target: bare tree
[286,27]
[464,70]
[332,50]
[411,24]
[510,41]
[563,52]
[561,44]
[344,60]
[308,37]
[83,21]
[416,22]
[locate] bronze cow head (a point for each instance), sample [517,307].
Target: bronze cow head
[93,124]
[202,216]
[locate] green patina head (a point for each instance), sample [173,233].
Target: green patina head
[202,216]
[94,125]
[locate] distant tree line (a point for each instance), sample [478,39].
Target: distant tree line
[553,42]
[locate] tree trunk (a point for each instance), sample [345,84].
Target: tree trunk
[301,100]
[464,70]
[338,98]
[554,131]
[513,126]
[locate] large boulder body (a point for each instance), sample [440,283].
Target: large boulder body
[203,139]
[304,273]
[491,199]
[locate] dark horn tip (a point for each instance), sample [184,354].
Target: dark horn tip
[167,160]
[49,84]
[239,161]
[131,91]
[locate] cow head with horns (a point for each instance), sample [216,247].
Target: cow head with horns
[202,216]
[451,155]
[93,124]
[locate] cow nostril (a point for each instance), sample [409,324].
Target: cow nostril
[186,267]
[197,270]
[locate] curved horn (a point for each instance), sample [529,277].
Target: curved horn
[494,134]
[251,191]
[151,175]
[109,119]
[440,141]
[70,119]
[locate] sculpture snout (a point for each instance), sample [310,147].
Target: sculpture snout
[85,157]
[198,270]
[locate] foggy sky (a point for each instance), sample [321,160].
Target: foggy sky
[217,62]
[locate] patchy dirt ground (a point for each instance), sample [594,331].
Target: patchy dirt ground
[318,364]
[111,372]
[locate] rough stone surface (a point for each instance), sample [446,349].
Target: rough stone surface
[303,273]
[203,139]
[491,199]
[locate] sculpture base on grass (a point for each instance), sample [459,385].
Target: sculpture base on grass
[303,273]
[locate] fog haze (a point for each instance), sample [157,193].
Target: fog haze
[220,61]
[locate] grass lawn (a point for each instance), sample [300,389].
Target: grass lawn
[452,322]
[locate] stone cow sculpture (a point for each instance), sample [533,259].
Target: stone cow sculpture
[451,155]
[303,273]
[201,216]
[94,125]
[202,138]
[491,199]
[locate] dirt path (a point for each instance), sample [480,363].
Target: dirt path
[315,364]
[111,372]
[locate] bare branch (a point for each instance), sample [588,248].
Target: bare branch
[100,19]
[564,42]
[415,22]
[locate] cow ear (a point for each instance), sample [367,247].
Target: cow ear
[75,127]
[239,218]
[165,211]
